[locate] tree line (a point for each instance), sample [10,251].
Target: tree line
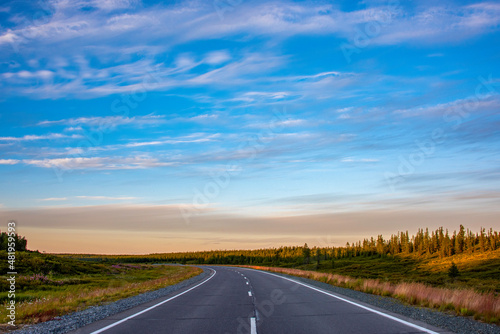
[19,241]
[423,243]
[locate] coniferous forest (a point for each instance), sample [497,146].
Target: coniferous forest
[423,243]
[429,268]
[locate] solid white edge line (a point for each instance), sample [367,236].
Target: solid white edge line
[152,307]
[353,303]
[253,326]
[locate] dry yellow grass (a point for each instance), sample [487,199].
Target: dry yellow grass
[461,260]
[467,302]
[75,298]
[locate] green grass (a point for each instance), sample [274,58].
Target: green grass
[416,280]
[464,302]
[478,271]
[49,286]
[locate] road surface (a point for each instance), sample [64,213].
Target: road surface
[245,301]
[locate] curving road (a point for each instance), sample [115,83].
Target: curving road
[246,301]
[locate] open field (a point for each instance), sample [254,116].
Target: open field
[477,271]
[417,281]
[51,286]
[415,270]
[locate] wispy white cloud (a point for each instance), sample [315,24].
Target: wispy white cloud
[9,161]
[189,139]
[8,38]
[438,24]
[352,159]
[256,96]
[103,163]
[84,80]
[313,76]
[95,198]
[217,57]
[41,74]
[107,121]
[244,70]
[107,198]
[295,88]
[283,123]
[42,137]
[470,104]
[73,128]
[170,141]
[200,118]
[279,144]
[198,20]
[53,199]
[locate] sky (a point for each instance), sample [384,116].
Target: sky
[139,127]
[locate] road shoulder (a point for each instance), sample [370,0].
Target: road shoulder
[392,306]
[76,320]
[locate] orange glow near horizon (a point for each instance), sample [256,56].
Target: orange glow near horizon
[145,230]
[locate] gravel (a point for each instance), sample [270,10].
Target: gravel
[79,319]
[456,324]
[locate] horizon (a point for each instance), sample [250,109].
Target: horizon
[321,244]
[135,127]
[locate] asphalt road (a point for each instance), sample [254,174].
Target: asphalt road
[245,301]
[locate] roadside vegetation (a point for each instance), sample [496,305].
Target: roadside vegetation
[48,286]
[457,271]
[424,244]
[460,301]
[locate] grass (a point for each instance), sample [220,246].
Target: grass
[478,271]
[54,285]
[449,296]
[48,293]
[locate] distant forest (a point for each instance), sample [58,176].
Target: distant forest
[424,243]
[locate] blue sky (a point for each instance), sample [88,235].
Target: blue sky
[238,124]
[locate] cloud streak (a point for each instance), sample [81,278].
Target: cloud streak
[158,103]
[99,163]
[107,198]
[107,121]
[49,136]
[201,233]
[112,35]
[9,161]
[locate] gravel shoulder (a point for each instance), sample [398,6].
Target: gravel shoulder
[72,321]
[456,324]
[79,319]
